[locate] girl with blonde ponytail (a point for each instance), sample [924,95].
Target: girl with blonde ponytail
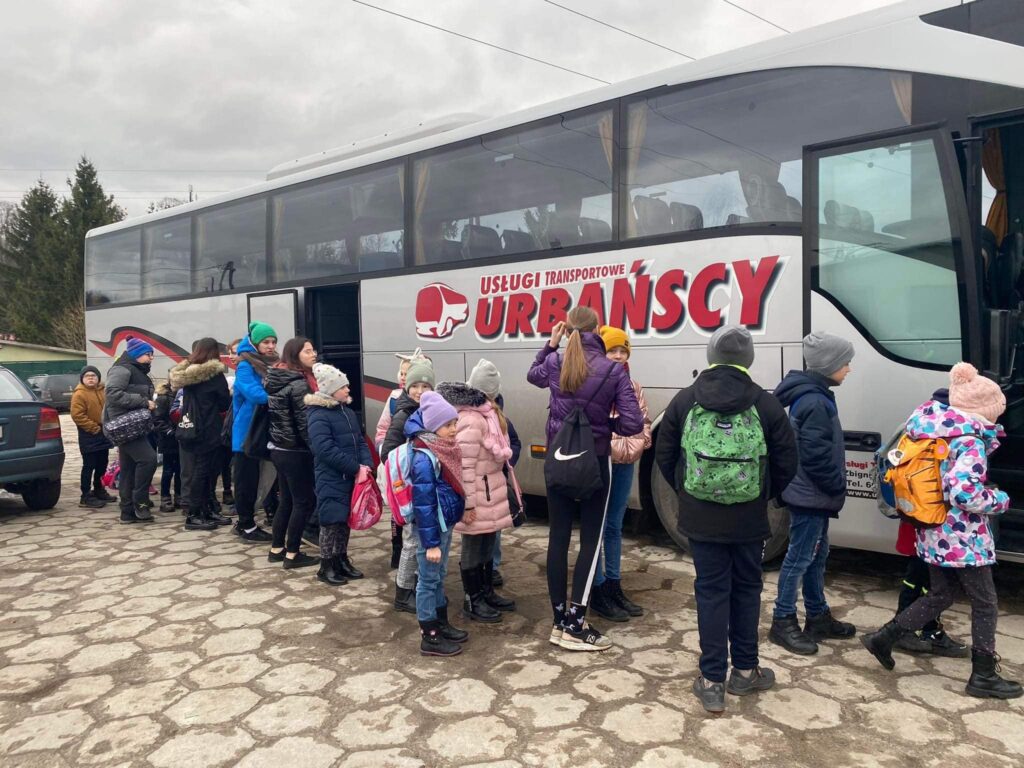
[582,378]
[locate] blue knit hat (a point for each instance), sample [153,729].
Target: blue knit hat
[137,348]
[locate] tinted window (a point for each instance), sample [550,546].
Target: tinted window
[995,19]
[12,389]
[112,268]
[546,187]
[231,244]
[729,152]
[167,259]
[885,248]
[346,225]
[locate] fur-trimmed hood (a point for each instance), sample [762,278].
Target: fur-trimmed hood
[164,388]
[461,395]
[317,400]
[186,374]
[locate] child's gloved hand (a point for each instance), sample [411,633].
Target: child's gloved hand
[434,555]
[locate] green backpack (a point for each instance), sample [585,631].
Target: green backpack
[724,455]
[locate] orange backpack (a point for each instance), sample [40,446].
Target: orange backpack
[916,477]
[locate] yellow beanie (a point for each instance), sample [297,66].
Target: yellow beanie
[615,337]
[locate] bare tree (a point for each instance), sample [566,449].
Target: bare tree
[164,203]
[69,327]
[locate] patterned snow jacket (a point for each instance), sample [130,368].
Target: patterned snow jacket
[965,539]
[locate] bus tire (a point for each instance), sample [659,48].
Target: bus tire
[666,502]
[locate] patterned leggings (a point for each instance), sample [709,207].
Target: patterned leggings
[334,540]
[981,591]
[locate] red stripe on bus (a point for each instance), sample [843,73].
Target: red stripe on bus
[376,391]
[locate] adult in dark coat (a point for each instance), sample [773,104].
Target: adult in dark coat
[205,399]
[339,450]
[727,540]
[129,388]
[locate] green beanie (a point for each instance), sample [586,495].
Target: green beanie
[420,372]
[260,332]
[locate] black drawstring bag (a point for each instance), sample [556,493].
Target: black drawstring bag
[571,466]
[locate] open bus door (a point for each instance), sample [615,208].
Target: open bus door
[888,265]
[333,322]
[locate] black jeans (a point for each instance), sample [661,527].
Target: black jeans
[171,474]
[225,468]
[246,474]
[298,497]
[980,590]
[728,592]
[94,466]
[592,512]
[477,549]
[203,463]
[915,584]
[138,465]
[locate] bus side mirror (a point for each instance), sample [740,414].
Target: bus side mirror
[1004,333]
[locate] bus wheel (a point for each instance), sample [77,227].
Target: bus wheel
[666,501]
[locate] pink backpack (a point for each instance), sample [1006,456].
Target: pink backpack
[367,504]
[398,482]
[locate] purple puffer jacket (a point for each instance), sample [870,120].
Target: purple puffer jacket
[617,391]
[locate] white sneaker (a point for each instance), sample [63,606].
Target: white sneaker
[556,635]
[587,639]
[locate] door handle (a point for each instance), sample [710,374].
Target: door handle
[867,442]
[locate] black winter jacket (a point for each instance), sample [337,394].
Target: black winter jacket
[286,390]
[726,390]
[162,424]
[820,483]
[395,436]
[206,398]
[129,388]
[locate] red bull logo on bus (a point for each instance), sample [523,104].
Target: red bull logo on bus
[439,311]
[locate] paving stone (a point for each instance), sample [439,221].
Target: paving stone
[71,622]
[145,699]
[171,635]
[943,693]
[565,748]
[154,587]
[228,670]
[135,606]
[233,641]
[522,675]
[662,662]
[610,684]
[670,757]
[121,629]
[799,708]
[459,696]
[972,754]
[44,649]
[166,664]
[118,740]
[742,739]
[100,655]
[840,683]
[372,686]
[75,692]
[906,721]
[998,726]
[293,750]
[211,707]
[550,710]
[385,726]
[199,749]
[475,738]
[288,716]
[645,723]
[382,758]
[44,732]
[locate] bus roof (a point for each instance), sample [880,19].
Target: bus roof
[893,37]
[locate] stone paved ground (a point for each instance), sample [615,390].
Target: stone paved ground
[153,646]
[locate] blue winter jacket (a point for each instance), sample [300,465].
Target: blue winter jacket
[820,483]
[430,492]
[338,451]
[248,393]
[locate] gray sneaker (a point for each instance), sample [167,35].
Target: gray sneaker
[712,697]
[760,679]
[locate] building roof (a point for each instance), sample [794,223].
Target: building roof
[24,345]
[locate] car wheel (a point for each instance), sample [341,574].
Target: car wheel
[43,494]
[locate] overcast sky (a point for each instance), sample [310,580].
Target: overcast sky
[214,94]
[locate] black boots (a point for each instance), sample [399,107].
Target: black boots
[786,632]
[330,573]
[491,597]
[613,589]
[475,605]
[449,632]
[434,643]
[348,570]
[825,627]
[396,547]
[986,682]
[602,604]
[881,643]
[198,520]
[405,599]
[214,516]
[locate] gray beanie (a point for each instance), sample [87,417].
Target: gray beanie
[731,345]
[825,353]
[420,372]
[328,378]
[486,377]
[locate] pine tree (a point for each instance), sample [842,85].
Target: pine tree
[30,265]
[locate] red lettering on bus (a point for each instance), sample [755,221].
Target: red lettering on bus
[753,284]
[518,319]
[631,307]
[699,298]
[666,291]
[554,304]
[592,296]
[490,313]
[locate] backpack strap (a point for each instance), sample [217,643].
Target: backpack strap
[436,464]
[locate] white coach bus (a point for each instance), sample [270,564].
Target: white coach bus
[865,177]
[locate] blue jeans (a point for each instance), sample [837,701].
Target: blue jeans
[497,549]
[610,565]
[805,562]
[430,588]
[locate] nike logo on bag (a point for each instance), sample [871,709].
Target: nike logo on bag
[563,457]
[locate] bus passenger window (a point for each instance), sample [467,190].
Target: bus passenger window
[231,247]
[167,259]
[112,268]
[885,249]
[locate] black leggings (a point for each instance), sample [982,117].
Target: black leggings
[94,466]
[592,511]
[225,468]
[980,590]
[201,485]
[171,473]
[298,497]
[246,474]
[915,584]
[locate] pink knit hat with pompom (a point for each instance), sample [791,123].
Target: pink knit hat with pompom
[975,394]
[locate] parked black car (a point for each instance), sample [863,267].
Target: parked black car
[55,388]
[31,448]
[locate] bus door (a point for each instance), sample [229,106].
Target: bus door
[887,266]
[333,322]
[278,308]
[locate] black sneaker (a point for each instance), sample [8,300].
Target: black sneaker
[586,639]
[826,627]
[912,642]
[275,557]
[90,502]
[301,560]
[166,504]
[102,495]
[602,604]
[128,517]
[258,534]
[712,696]
[143,514]
[759,679]
[785,631]
[942,644]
